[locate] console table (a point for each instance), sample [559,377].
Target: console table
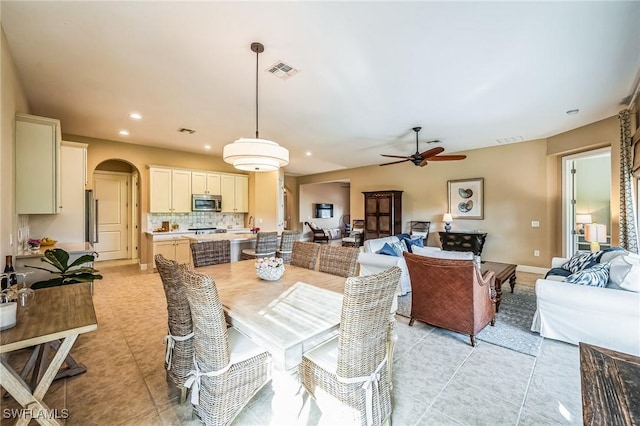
[463,241]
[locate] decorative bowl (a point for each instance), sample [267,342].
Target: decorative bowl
[45,243]
[270,273]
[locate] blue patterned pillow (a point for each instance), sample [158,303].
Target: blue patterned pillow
[393,249]
[581,260]
[595,276]
[387,249]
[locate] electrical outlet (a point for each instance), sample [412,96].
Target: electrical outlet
[260,220]
[536,253]
[535,224]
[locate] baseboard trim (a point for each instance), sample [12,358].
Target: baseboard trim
[143,266]
[531,269]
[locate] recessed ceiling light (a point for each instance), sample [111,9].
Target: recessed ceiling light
[572,111]
[207,147]
[124,132]
[135,116]
[308,153]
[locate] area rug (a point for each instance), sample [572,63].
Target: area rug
[513,323]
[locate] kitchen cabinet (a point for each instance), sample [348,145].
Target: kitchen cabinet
[170,190]
[382,214]
[205,183]
[235,193]
[37,167]
[68,224]
[176,248]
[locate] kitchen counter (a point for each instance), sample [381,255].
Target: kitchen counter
[71,248]
[231,236]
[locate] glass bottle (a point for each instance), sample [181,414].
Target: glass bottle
[8,269]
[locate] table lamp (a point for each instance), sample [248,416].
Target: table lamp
[582,219]
[447,219]
[595,233]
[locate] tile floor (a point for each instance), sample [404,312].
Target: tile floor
[439,379]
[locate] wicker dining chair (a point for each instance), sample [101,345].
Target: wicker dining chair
[266,245]
[286,245]
[229,368]
[338,260]
[210,252]
[179,355]
[352,367]
[305,254]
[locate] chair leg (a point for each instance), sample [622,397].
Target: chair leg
[473,340]
[183,394]
[493,321]
[411,321]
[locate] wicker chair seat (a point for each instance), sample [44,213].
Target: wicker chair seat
[359,355]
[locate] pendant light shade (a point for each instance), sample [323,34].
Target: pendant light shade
[256,155]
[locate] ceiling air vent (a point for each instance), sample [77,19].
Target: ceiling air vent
[185,130]
[282,70]
[512,139]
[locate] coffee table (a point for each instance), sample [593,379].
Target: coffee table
[504,272]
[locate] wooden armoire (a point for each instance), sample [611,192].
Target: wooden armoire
[382,214]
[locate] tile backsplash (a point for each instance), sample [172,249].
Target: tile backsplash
[197,220]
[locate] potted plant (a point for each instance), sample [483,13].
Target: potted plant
[66,273]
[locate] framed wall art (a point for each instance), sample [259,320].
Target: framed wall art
[466,198]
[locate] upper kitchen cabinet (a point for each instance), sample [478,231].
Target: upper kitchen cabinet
[235,193]
[205,183]
[37,164]
[170,190]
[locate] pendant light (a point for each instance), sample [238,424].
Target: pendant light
[256,155]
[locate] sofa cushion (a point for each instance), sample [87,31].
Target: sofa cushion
[580,260]
[625,272]
[374,245]
[611,253]
[595,276]
[443,254]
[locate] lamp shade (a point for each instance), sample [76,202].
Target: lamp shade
[583,218]
[447,217]
[255,155]
[595,233]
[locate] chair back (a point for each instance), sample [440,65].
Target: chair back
[211,341]
[449,293]
[179,318]
[340,261]
[364,323]
[305,254]
[210,252]
[266,244]
[286,244]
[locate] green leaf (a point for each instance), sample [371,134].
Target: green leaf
[86,258]
[53,282]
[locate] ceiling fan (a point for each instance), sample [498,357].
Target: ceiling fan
[422,158]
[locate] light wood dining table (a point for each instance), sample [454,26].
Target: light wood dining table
[58,313]
[288,316]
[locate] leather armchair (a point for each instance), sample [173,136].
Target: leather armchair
[451,294]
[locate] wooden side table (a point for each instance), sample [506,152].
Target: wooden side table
[504,272]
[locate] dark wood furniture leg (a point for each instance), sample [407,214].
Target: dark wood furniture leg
[512,281]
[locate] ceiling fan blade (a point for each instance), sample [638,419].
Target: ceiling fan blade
[447,157]
[395,162]
[396,156]
[424,162]
[432,152]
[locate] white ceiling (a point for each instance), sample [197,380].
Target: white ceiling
[468,73]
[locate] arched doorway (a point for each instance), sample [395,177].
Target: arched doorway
[115,187]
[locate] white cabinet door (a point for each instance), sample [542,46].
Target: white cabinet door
[159,190]
[228,190]
[198,183]
[242,194]
[180,191]
[183,251]
[213,184]
[37,164]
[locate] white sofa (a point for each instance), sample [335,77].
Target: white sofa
[371,262]
[602,316]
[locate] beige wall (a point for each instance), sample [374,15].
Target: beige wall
[336,193]
[14,100]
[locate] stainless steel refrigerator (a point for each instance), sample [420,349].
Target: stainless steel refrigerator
[91,217]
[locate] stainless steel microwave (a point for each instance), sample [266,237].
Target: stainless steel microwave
[206,203]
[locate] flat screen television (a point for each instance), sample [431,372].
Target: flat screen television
[323,211]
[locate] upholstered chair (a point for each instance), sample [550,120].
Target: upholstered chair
[353,367]
[179,355]
[451,294]
[206,253]
[229,368]
[338,260]
[305,254]
[286,245]
[266,245]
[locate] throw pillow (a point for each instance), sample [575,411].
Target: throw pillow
[595,276]
[388,250]
[557,272]
[611,253]
[580,260]
[399,247]
[410,241]
[625,272]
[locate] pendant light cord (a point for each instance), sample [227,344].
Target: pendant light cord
[257,133]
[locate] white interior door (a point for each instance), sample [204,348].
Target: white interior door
[111,191]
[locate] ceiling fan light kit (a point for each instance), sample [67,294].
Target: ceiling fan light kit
[422,158]
[255,154]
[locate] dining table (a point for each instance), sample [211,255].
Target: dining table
[58,315]
[288,316]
